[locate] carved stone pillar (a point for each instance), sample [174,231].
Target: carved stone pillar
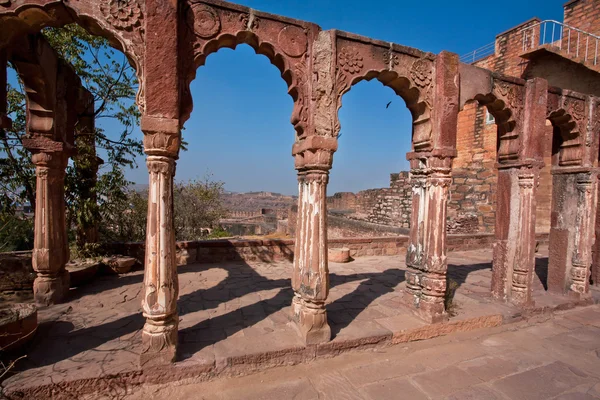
[514,249]
[51,251]
[426,255]
[310,279]
[414,253]
[435,267]
[161,289]
[596,249]
[572,230]
[524,265]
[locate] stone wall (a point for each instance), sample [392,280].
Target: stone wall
[16,271]
[274,250]
[388,206]
[471,208]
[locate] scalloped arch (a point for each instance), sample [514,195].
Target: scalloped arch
[293,79]
[402,87]
[30,17]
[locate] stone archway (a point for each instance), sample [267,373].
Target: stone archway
[518,109]
[574,192]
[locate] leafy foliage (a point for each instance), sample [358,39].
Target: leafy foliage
[197,206]
[112,82]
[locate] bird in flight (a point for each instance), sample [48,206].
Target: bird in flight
[388,105]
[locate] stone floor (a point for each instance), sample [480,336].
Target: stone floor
[556,359]
[232,312]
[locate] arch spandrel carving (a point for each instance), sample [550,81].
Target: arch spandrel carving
[576,129]
[287,43]
[120,22]
[408,72]
[505,100]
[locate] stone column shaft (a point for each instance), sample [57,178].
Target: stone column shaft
[514,249]
[433,283]
[572,231]
[426,255]
[51,251]
[414,253]
[310,280]
[524,265]
[161,288]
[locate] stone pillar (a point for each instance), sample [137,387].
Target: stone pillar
[574,197]
[51,251]
[310,279]
[161,289]
[514,250]
[596,249]
[433,283]
[426,256]
[414,252]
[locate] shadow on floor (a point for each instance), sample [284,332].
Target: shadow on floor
[57,341]
[541,270]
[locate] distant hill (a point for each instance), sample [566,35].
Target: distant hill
[250,201]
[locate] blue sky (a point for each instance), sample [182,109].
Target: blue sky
[240,133]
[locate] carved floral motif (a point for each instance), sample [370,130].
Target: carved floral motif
[421,73]
[350,61]
[122,14]
[391,59]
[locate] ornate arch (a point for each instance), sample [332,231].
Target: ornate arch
[408,72]
[285,42]
[121,22]
[505,102]
[567,113]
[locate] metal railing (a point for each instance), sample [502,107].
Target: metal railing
[575,42]
[479,54]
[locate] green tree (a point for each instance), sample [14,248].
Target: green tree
[198,207]
[112,82]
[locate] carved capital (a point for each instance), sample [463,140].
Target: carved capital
[162,136]
[161,165]
[314,153]
[526,181]
[50,161]
[314,176]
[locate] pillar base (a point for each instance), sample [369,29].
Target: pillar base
[311,321]
[51,289]
[432,313]
[159,343]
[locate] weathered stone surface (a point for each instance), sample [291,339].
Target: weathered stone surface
[16,271]
[118,264]
[340,255]
[18,324]
[82,272]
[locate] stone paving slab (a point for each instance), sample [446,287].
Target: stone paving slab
[495,366]
[234,317]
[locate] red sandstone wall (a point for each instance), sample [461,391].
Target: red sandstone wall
[471,208]
[509,46]
[583,14]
